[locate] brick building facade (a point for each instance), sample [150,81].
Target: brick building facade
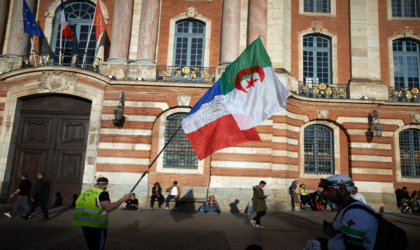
[341,60]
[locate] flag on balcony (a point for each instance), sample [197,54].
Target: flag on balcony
[246,95]
[30,25]
[99,21]
[65,28]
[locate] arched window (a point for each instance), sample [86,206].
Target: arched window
[316,59]
[189,44]
[319,149]
[80,17]
[404,8]
[406,64]
[320,6]
[410,153]
[179,153]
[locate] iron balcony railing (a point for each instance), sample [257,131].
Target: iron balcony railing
[404,95]
[322,90]
[186,74]
[67,59]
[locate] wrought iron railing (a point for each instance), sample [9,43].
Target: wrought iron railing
[322,90]
[186,74]
[404,95]
[67,59]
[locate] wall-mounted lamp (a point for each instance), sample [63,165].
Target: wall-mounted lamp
[374,118]
[119,112]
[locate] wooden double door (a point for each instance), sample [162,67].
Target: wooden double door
[52,138]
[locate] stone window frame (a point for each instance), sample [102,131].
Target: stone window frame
[405,34]
[392,18]
[207,39]
[50,16]
[161,144]
[336,134]
[398,175]
[333,10]
[317,30]
[12,115]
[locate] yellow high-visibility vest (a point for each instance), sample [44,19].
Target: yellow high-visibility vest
[303,191]
[86,213]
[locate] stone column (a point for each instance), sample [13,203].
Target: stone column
[148,33]
[3,16]
[19,42]
[257,21]
[121,31]
[365,57]
[230,31]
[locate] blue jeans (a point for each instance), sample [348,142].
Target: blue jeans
[331,204]
[212,209]
[418,204]
[22,200]
[172,197]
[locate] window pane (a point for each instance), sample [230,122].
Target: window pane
[318,150]
[192,46]
[316,59]
[406,64]
[179,153]
[320,6]
[410,153]
[409,8]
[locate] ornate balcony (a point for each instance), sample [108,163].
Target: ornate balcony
[322,90]
[186,74]
[404,95]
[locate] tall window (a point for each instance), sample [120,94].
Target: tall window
[80,17]
[406,64]
[189,44]
[319,149]
[317,59]
[410,153]
[404,8]
[320,6]
[179,153]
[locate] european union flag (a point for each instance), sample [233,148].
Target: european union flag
[29,24]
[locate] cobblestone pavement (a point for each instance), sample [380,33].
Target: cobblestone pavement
[179,230]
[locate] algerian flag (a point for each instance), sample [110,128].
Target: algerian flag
[246,95]
[252,91]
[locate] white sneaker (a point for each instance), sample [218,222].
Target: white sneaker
[253,222]
[167,208]
[297,209]
[259,226]
[8,215]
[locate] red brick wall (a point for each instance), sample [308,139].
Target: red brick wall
[339,25]
[172,8]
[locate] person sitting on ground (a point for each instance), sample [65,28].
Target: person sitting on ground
[317,201]
[304,196]
[405,202]
[212,205]
[294,191]
[132,203]
[174,192]
[357,196]
[156,195]
[416,199]
[58,200]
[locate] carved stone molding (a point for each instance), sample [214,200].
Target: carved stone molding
[317,28]
[407,32]
[415,118]
[322,113]
[58,81]
[191,12]
[184,100]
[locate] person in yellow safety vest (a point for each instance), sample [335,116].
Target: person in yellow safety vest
[91,213]
[304,197]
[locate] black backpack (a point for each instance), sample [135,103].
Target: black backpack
[389,236]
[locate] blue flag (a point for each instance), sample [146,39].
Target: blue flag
[29,24]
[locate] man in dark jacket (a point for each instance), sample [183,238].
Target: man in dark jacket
[23,191]
[258,204]
[39,197]
[405,199]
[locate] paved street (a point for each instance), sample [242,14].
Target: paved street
[179,230]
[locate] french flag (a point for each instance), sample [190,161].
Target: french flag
[210,126]
[65,28]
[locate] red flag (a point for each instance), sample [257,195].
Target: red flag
[65,28]
[99,21]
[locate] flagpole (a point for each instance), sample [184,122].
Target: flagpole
[145,172]
[90,33]
[61,38]
[33,51]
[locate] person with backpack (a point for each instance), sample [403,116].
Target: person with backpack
[405,202]
[356,225]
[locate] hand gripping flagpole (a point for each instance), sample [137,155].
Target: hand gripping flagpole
[145,172]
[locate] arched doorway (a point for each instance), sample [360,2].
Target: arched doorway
[52,137]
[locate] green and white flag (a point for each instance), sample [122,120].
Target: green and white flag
[252,91]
